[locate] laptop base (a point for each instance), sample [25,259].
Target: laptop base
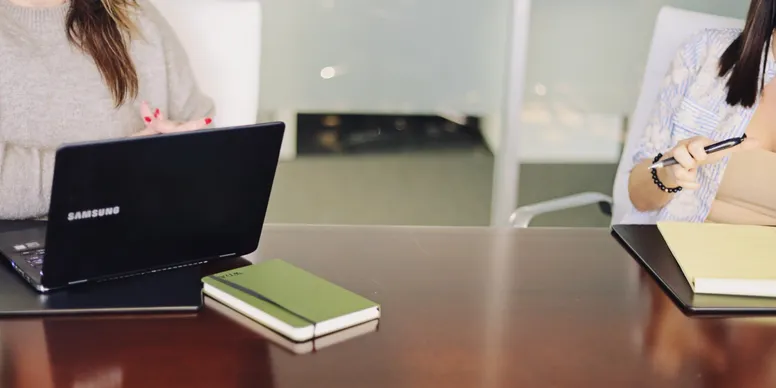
[173,291]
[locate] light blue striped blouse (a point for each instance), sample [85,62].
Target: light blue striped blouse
[692,103]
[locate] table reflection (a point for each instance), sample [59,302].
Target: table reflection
[203,350]
[721,352]
[25,358]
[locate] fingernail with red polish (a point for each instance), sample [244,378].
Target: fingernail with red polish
[148,119]
[156,113]
[208,121]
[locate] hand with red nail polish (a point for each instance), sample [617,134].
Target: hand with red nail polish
[156,123]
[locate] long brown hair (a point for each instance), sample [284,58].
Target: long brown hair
[102,29]
[742,59]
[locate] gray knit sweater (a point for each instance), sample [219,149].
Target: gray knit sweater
[51,94]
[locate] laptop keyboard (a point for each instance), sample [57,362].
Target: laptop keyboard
[34,258]
[32,252]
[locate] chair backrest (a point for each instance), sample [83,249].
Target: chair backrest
[673,27]
[223,43]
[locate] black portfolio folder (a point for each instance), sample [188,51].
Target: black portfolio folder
[649,249]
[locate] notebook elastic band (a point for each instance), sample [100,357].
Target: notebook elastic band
[262,297]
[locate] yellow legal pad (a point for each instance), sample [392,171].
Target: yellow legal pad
[724,259]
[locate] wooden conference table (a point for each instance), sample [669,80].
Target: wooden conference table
[462,307]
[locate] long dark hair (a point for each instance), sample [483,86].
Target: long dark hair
[102,28]
[742,59]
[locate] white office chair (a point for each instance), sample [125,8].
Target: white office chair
[223,41]
[672,28]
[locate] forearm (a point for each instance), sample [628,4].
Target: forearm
[658,134]
[644,194]
[144,132]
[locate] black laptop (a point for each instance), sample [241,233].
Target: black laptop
[132,206]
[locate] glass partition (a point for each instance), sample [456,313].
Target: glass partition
[396,109]
[393,107]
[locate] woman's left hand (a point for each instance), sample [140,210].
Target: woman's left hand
[156,123]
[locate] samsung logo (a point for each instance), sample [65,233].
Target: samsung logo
[93,213]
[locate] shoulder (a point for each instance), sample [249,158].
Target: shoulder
[151,24]
[717,40]
[714,37]
[706,44]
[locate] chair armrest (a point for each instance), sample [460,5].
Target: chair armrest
[521,217]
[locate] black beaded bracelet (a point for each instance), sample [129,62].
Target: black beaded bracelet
[670,190]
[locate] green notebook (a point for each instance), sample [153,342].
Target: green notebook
[289,300]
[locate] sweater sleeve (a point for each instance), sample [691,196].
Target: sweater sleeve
[25,181]
[185,99]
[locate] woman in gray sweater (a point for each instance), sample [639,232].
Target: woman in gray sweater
[80,70]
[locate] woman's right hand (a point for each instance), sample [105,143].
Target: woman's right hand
[156,123]
[690,154]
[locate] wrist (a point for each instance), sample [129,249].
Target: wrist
[664,175]
[663,179]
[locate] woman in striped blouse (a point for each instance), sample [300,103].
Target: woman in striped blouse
[718,87]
